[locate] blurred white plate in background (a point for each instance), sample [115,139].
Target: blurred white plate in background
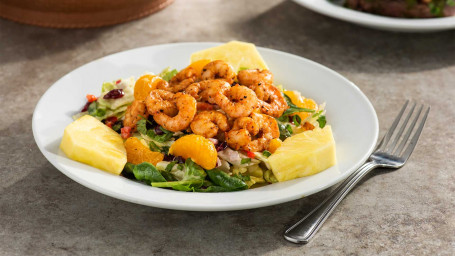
[327,8]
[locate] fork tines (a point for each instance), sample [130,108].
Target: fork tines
[396,141]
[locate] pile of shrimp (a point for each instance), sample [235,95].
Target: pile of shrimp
[217,103]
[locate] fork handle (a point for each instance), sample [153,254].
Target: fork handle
[306,228]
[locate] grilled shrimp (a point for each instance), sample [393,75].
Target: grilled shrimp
[269,131]
[208,123]
[181,86]
[161,101]
[243,130]
[238,139]
[186,106]
[206,90]
[253,133]
[250,77]
[271,100]
[218,69]
[160,83]
[182,79]
[134,113]
[247,123]
[236,101]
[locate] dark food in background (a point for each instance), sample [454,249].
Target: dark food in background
[405,8]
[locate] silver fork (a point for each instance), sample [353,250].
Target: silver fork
[392,152]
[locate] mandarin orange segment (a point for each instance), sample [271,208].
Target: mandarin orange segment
[274,145]
[198,65]
[295,97]
[145,84]
[143,87]
[201,150]
[137,153]
[310,104]
[302,102]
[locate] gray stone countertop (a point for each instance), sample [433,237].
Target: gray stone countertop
[407,212]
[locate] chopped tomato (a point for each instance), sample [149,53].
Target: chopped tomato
[126,132]
[118,81]
[91,98]
[250,154]
[110,121]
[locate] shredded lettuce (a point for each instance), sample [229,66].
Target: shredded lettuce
[245,160]
[256,175]
[107,86]
[261,157]
[127,85]
[269,177]
[96,111]
[157,143]
[104,108]
[167,74]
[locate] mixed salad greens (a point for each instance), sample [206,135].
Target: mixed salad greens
[235,170]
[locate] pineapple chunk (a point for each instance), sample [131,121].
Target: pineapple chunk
[238,54]
[89,141]
[304,154]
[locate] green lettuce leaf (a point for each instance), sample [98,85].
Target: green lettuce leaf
[148,173]
[167,74]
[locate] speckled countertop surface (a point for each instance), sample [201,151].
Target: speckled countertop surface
[407,212]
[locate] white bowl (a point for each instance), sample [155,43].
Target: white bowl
[351,115]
